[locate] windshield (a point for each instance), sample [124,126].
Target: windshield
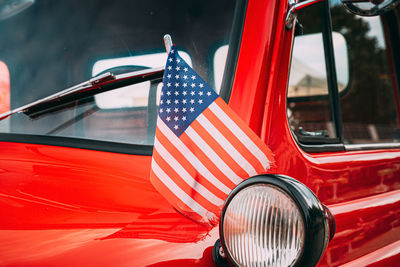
[47,46]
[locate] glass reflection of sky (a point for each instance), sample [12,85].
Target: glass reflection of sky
[375,29]
[308,52]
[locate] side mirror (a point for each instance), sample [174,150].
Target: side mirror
[359,7]
[369,7]
[10,8]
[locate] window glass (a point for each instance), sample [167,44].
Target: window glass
[309,110]
[219,66]
[363,75]
[133,95]
[368,107]
[341,60]
[308,72]
[51,45]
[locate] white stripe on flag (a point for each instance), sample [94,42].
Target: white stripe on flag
[210,153]
[176,190]
[242,136]
[185,175]
[196,163]
[229,148]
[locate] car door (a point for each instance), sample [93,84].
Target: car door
[341,130]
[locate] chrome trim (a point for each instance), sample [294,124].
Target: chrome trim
[294,8]
[168,42]
[355,147]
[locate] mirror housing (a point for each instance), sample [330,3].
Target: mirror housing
[369,8]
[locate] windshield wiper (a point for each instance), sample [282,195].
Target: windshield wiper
[99,84]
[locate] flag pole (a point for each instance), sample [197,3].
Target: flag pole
[167,42]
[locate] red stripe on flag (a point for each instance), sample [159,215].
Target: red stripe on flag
[206,161]
[234,140]
[232,164]
[188,166]
[175,176]
[173,199]
[245,128]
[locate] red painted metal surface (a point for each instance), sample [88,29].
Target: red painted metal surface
[67,206]
[347,182]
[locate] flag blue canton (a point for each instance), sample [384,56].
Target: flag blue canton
[184,94]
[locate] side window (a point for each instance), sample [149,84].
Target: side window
[368,104]
[309,106]
[341,83]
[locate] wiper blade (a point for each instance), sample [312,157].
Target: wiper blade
[76,88]
[99,84]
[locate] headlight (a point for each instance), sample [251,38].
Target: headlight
[272,220]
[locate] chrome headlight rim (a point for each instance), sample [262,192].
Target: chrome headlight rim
[314,216]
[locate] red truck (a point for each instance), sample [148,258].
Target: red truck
[317,81]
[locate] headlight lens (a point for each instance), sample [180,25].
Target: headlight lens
[274,220]
[263,226]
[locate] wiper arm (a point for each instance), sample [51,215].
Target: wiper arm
[99,84]
[57,96]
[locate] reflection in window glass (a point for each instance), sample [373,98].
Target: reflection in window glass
[341,60]
[367,104]
[52,45]
[133,95]
[308,72]
[124,123]
[308,106]
[219,66]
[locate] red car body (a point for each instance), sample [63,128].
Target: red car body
[102,209]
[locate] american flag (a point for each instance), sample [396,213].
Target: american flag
[202,149]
